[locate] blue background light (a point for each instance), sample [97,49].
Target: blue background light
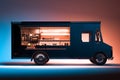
[5,41]
[60,10]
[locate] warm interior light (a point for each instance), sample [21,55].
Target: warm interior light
[30,34]
[55,34]
[54,30]
[29,44]
[37,31]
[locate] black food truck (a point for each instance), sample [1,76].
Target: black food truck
[41,41]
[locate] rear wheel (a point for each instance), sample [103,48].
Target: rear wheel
[41,58]
[100,59]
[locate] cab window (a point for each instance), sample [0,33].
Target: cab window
[85,37]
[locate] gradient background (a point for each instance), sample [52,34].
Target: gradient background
[106,11]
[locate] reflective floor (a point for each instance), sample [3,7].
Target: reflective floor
[60,69]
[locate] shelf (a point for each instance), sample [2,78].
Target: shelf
[54,40]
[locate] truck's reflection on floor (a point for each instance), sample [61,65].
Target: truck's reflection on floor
[88,65]
[56,71]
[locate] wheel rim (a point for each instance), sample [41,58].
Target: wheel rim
[100,58]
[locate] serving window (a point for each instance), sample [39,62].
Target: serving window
[45,36]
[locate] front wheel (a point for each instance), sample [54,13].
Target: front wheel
[92,60]
[100,59]
[41,58]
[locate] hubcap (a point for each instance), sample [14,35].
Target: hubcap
[100,58]
[40,57]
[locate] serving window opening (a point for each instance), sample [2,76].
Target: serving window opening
[45,36]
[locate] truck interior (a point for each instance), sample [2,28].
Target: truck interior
[45,36]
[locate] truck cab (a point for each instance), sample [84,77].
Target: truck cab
[42,41]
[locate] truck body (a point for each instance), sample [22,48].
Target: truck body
[42,41]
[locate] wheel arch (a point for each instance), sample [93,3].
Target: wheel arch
[100,52]
[36,52]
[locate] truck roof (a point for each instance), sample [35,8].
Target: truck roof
[53,23]
[84,25]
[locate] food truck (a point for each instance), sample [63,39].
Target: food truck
[44,40]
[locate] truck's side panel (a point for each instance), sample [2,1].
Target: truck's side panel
[20,51]
[16,40]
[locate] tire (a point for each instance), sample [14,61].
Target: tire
[41,58]
[92,60]
[100,59]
